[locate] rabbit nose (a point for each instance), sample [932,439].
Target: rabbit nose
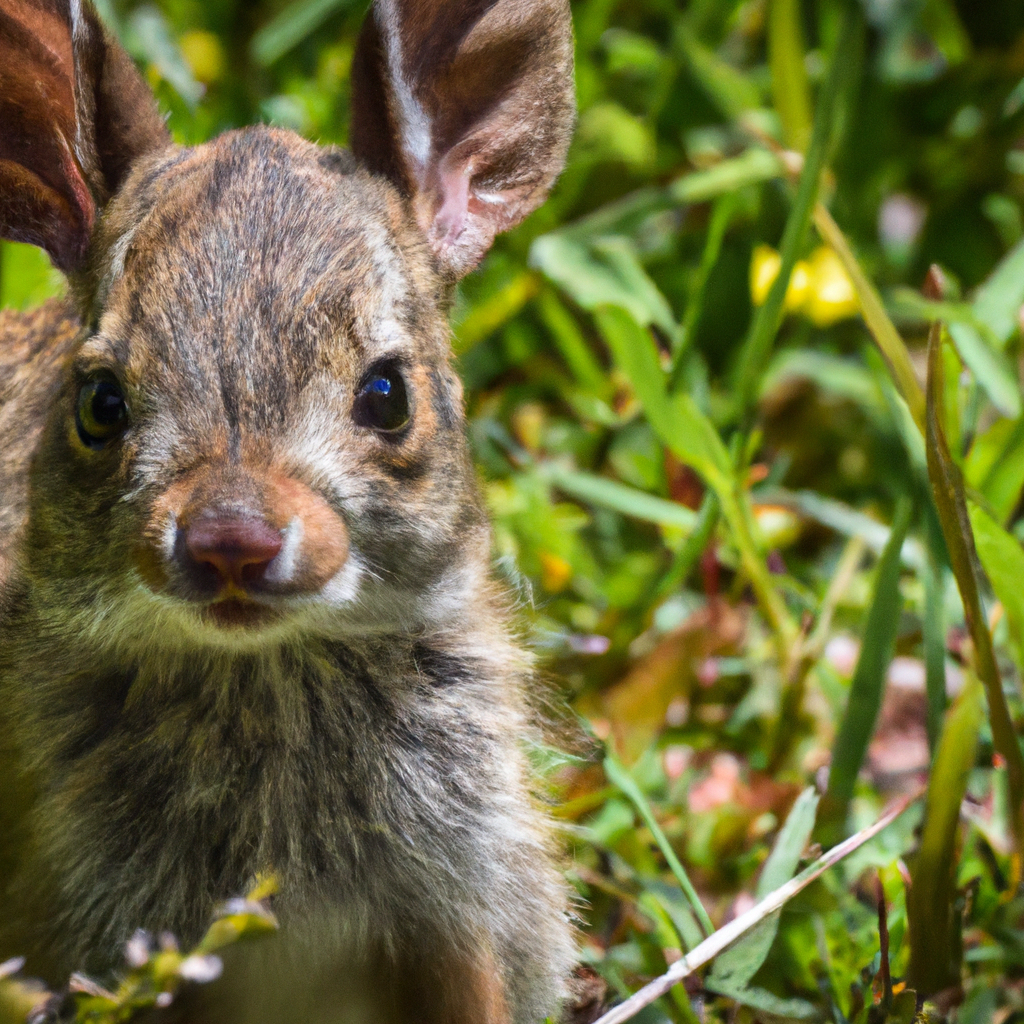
[238,550]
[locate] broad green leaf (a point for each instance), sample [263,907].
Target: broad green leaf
[571,343]
[735,967]
[995,465]
[990,367]
[495,311]
[998,301]
[1003,560]
[731,90]
[865,700]
[628,500]
[793,837]
[676,418]
[750,168]
[605,270]
[934,959]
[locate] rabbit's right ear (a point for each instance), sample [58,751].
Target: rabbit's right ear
[74,115]
[467,106]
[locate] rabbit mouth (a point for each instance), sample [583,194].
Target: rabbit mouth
[240,613]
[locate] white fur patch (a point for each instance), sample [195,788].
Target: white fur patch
[415,127]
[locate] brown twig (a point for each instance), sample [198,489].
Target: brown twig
[737,928]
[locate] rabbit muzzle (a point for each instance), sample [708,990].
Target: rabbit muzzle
[237,542]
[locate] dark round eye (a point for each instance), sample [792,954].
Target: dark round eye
[382,402]
[101,413]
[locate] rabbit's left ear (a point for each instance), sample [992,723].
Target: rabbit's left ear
[467,106]
[74,115]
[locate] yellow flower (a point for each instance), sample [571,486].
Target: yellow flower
[831,296]
[818,287]
[764,268]
[204,54]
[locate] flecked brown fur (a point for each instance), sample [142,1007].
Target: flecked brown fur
[361,729]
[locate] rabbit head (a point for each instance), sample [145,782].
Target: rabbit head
[258,431]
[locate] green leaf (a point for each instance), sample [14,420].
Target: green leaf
[998,301]
[603,270]
[865,700]
[1003,560]
[290,27]
[995,466]
[990,367]
[494,312]
[934,956]
[750,168]
[731,90]
[735,967]
[676,419]
[629,501]
[618,776]
[148,38]
[789,76]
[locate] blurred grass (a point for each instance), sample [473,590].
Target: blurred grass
[694,486]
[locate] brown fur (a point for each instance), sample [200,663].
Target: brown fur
[357,724]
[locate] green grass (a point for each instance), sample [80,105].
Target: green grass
[700,490]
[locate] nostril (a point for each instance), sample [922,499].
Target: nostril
[238,550]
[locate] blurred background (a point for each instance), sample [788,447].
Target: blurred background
[696,471]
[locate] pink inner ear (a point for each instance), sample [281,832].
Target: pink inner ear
[453,184]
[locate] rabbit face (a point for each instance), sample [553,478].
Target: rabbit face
[262,425]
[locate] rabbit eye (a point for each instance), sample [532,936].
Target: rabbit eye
[382,402]
[102,412]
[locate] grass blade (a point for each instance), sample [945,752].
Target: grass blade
[888,339]
[691,436]
[934,647]
[934,956]
[868,685]
[290,27]
[758,343]
[739,926]
[618,776]
[789,77]
[951,505]
[598,490]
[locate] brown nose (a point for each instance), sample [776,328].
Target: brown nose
[238,550]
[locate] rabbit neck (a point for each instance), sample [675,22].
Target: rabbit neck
[364,774]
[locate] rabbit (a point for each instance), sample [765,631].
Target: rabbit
[247,617]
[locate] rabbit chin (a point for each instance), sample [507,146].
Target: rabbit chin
[136,622]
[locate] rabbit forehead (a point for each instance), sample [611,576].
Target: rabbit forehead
[265,247]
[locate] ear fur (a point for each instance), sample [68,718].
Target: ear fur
[467,106]
[74,115]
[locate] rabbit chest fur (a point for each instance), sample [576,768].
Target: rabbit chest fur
[246,618]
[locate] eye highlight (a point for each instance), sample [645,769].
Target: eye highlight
[382,402]
[101,413]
